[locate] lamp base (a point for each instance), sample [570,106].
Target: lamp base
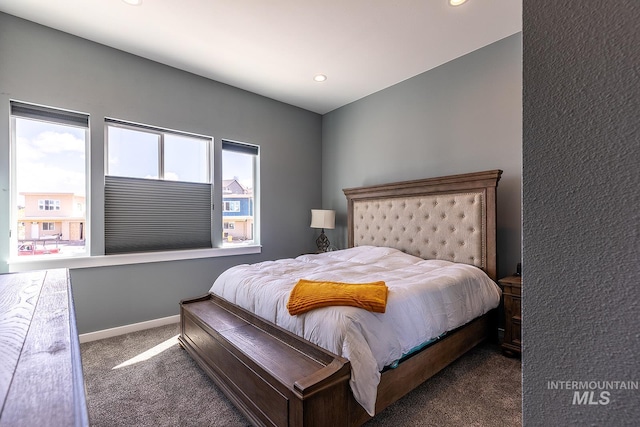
[322,242]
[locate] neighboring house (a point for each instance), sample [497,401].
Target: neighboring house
[237,211]
[51,215]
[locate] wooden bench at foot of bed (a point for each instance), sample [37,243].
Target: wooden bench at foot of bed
[275,378]
[272,376]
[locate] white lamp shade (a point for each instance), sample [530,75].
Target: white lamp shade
[323,218]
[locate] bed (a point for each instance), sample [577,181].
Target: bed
[260,359]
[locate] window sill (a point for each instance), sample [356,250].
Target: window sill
[44,263]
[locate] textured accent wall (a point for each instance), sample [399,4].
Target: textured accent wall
[581,196]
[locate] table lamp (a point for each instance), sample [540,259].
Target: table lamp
[323,218]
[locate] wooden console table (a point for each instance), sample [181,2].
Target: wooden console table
[41,381]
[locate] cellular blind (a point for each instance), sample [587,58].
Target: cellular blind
[38,112]
[144,215]
[238,147]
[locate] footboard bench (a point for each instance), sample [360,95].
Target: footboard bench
[274,378]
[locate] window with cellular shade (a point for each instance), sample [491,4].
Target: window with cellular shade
[49,180]
[240,195]
[157,190]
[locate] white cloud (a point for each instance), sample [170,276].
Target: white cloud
[171,176]
[27,152]
[37,176]
[55,142]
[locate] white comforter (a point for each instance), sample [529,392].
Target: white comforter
[426,298]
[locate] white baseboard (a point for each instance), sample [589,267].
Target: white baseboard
[121,330]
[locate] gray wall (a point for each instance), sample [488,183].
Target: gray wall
[464,116]
[581,151]
[44,66]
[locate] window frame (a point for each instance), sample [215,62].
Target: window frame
[54,205]
[254,150]
[161,133]
[124,232]
[230,203]
[57,116]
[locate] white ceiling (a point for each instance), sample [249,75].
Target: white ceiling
[275,47]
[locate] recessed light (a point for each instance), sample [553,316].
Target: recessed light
[133,2]
[320,78]
[456,2]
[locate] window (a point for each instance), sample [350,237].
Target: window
[150,153]
[157,189]
[158,192]
[232,206]
[48,166]
[48,205]
[239,196]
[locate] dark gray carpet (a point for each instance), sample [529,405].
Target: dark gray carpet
[168,389]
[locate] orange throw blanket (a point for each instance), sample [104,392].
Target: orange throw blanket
[309,294]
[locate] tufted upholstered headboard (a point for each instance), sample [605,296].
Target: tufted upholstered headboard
[451,218]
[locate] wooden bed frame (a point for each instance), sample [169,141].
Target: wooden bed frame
[277,378]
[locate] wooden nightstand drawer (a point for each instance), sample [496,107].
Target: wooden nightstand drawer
[511,292]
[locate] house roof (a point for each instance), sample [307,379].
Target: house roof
[228,183]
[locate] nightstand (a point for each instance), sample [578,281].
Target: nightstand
[511,292]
